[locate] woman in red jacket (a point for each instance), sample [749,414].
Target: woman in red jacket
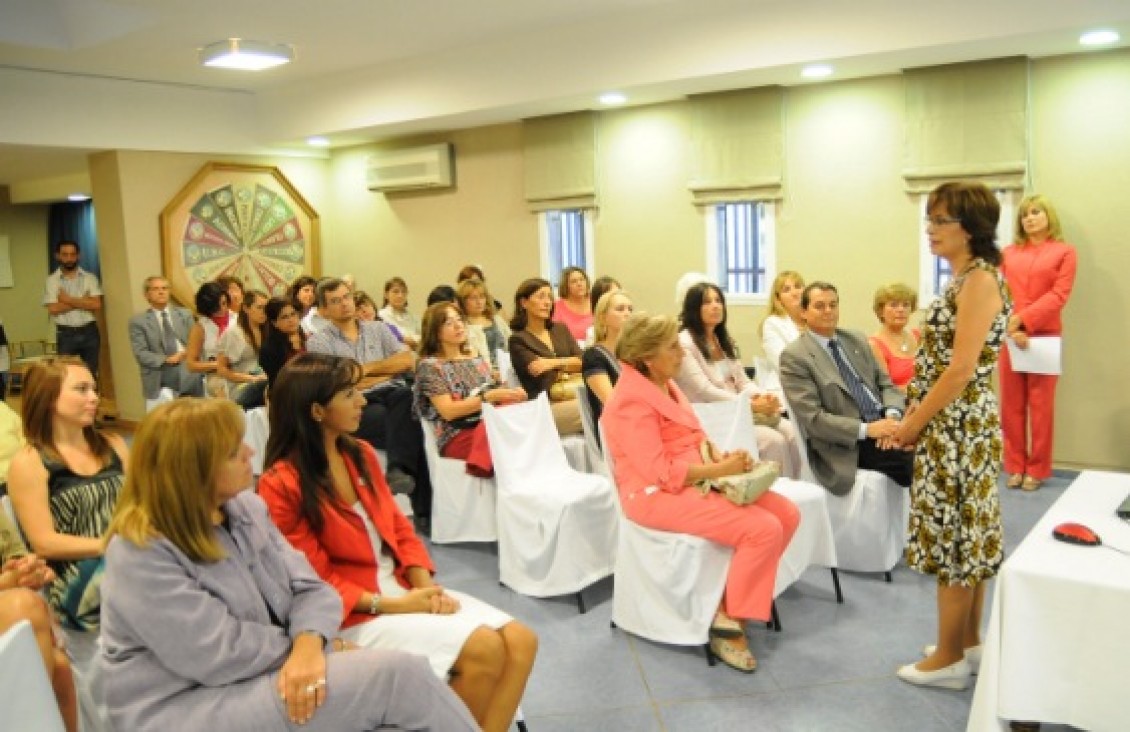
[1040,269]
[326,493]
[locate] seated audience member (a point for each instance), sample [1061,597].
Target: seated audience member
[237,354]
[284,338]
[301,294]
[387,422]
[844,400]
[212,319]
[233,286]
[441,293]
[326,493]
[543,351]
[599,365]
[474,272]
[782,325]
[684,283]
[599,287]
[396,314]
[367,310]
[573,309]
[487,332]
[157,337]
[711,372]
[654,438]
[895,344]
[22,576]
[65,482]
[5,362]
[213,622]
[11,440]
[452,384]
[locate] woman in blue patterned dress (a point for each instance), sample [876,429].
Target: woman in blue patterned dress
[953,421]
[452,384]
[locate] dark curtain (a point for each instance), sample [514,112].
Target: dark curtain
[73,221]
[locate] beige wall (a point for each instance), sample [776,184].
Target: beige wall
[21,308]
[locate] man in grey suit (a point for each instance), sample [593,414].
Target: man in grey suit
[157,337]
[840,396]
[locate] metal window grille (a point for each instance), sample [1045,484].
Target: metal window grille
[741,256]
[566,234]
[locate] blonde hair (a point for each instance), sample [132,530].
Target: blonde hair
[776,307]
[642,337]
[170,486]
[603,305]
[894,292]
[1037,200]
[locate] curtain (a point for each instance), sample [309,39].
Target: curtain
[967,121]
[737,146]
[73,221]
[560,161]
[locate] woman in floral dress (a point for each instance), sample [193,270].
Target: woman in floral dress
[953,419]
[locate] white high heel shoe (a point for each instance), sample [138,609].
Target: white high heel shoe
[955,676]
[973,655]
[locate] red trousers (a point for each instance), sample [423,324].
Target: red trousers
[1027,411]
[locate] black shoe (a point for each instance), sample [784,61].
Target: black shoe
[400,482]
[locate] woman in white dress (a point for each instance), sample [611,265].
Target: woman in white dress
[326,493]
[782,325]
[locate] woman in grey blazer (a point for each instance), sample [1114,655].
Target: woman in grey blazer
[210,621]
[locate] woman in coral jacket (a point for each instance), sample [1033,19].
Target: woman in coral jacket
[326,493]
[1040,269]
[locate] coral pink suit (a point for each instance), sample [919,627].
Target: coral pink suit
[653,437]
[1040,276]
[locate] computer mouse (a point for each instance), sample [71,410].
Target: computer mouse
[1073,533]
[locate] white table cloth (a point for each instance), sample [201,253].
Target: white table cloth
[1058,645]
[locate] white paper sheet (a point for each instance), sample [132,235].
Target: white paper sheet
[1041,357]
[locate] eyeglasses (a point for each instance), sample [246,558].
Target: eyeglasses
[452,322]
[940,220]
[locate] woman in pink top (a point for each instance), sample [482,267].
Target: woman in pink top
[653,438]
[573,309]
[1040,270]
[895,344]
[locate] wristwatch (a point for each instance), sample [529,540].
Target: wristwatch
[375,604]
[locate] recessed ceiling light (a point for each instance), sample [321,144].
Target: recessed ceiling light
[236,53]
[78,197]
[612,99]
[816,71]
[1099,37]
[318,141]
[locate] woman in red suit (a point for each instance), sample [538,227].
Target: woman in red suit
[654,438]
[326,493]
[1040,269]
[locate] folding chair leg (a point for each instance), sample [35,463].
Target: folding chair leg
[521,725]
[836,584]
[887,576]
[709,654]
[776,618]
[580,603]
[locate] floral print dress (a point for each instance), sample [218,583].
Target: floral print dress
[955,519]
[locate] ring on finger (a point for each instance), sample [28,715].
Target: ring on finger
[311,688]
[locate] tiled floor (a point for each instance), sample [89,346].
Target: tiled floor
[831,667]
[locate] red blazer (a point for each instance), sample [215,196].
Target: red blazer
[653,438]
[1040,277]
[341,554]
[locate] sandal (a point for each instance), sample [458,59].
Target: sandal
[726,627]
[736,658]
[1031,484]
[1015,480]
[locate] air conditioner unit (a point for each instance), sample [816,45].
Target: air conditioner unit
[413,168]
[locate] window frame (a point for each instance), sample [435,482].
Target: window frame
[767,244]
[545,256]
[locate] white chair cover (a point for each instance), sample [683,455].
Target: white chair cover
[85,653]
[256,428]
[506,373]
[869,524]
[730,426]
[463,506]
[164,395]
[556,526]
[596,462]
[26,698]
[667,586]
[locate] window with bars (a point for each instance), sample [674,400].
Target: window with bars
[935,272]
[740,254]
[566,242]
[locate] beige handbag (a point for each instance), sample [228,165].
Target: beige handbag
[565,388]
[742,489]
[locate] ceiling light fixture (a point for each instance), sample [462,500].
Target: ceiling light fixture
[78,197]
[318,141]
[816,71]
[612,99]
[1099,37]
[236,53]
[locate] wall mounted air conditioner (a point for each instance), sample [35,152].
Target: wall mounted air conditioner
[429,166]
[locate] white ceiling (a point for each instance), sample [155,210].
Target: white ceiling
[371,69]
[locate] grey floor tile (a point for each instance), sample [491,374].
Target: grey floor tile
[681,672]
[632,719]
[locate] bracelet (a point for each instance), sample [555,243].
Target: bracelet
[375,604]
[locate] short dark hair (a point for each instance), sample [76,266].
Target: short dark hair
[817,285]
[211,298]
[441,293]
[326,286]
[67,243]
[978,211]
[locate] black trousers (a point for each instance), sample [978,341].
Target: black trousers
[898,465]
[83,341]
[387,423]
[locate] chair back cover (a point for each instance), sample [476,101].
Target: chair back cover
[596,461]
[728,424]
[463,506]
[26,697]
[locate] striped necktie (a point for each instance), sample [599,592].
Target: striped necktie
[869,407]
